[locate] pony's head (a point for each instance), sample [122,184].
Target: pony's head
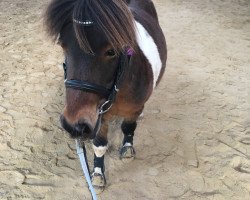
[92,34]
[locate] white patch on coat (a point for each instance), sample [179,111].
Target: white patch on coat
[149,49]
[100,151]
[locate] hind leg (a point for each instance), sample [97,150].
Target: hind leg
[127,151]
[128,127]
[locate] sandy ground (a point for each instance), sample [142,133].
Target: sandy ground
[194,141]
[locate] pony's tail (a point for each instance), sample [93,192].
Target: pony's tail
[113,17]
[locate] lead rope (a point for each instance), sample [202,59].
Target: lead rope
[82,156]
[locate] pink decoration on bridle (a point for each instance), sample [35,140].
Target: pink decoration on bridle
[130,52]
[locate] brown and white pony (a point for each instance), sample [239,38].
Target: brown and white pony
[115,56]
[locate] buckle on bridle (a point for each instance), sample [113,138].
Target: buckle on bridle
[102,108]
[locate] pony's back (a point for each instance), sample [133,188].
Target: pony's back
[145,5]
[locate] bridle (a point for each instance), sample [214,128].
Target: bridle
[108,94]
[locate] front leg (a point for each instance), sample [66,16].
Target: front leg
[100,147]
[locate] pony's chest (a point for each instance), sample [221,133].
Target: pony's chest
[150,50]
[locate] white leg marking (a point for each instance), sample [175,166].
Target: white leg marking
[127,144]
[149,49]
[141,115]
[100,151]
[98,170]
[57,38]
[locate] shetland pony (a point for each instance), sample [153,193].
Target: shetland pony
[115,55]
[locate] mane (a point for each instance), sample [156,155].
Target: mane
[113,17]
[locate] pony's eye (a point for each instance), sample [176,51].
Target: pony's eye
[110,53]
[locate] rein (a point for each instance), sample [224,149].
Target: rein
[108,94]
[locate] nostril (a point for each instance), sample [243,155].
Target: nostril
[80,127]
[83,128]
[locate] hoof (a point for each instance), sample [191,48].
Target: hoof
[98,182]
[127,153]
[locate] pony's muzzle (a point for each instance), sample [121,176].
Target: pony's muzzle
[81,129]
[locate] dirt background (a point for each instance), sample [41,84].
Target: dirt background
[193,142]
